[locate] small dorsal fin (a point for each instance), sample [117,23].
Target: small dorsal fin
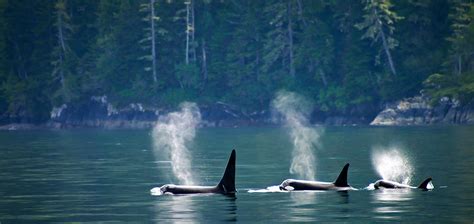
[227,183]
[424,184]
[341,180]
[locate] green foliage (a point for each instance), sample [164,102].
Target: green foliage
[3,42]
[455,87]
[241,52]
[378,18]
[187,75]
[173,97]
[421,53]
[456,83]
[28,101]
[3,58]
[379,26]
[63,62]
[461,38]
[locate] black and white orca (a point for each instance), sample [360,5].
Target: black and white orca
[340,184]
[225,186]
[425,185]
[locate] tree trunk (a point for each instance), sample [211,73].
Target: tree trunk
[290,40]
[60,33]
[204,60]
[311,69]
[61,71]
[62,50]
[387,52]
[22,74]
[153,50]
[193,43]
[459,62]
[323,77]
[300,12]
[257,57]
[187,32]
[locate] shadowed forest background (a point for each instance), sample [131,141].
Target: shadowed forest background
[344,55]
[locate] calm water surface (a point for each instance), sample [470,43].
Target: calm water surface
[99,176]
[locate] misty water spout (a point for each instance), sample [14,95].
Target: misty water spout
[295,111]
[172,135]
[391,163]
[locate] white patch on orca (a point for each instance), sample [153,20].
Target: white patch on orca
[430,186]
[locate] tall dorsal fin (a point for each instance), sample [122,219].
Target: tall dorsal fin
[227,184]
[341,180]
[424,184]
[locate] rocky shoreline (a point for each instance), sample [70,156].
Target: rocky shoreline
[99,113]
[418,111]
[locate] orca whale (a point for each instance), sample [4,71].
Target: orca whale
[392,184]
[225,186]
[340,184]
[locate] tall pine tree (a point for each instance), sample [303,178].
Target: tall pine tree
[378,24]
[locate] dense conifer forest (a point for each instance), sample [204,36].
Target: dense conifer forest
[341,54]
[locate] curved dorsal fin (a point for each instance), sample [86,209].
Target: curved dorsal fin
[424,184]
[341,180]
[227,183]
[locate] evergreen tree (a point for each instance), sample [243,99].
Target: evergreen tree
[117,63]
[62,53]
[280,38]
[460,84]
[239,52]
[461,50]
[149,41]
[378,24]
[3,42]
[315,52]
[244,56]
[27,85]
[423,31]
[187,72]
[3,60]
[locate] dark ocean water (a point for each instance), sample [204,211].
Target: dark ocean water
[103,175]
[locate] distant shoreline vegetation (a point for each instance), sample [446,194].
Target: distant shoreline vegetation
[389,62]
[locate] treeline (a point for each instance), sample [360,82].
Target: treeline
[343,54]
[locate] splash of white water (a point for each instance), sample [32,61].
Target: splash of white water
[172,134]
[295,111]
[391,163]
[275,188]
[156,191]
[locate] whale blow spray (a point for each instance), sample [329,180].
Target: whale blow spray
[391,163]
[172,134]
[295,111]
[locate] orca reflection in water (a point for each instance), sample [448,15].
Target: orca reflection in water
[225,186]
[425,185]
[340,184]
